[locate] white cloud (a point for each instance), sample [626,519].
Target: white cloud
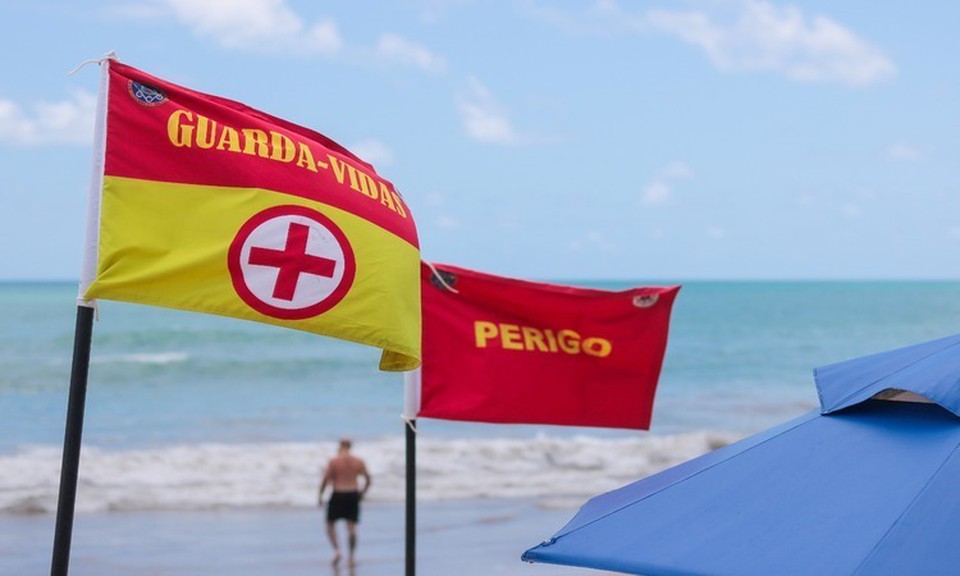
[134,11]
[677,170]
[602,17]
[591,241]
[715,232]
[395,48]
[272,26]
[257,26]
[659,190]
[70,121]
[447,222]
[483,119]
[851,211]
[904,153]
[434,199]
[508,219]
[781,39]
[656,193]
[373,152]
[435,10]
[656,234]
[743,35]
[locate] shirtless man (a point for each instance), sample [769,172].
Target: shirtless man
[343,473]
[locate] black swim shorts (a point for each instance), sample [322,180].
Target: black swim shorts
[344,505]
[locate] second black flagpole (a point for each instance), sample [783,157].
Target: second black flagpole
[411,405]
[410,555]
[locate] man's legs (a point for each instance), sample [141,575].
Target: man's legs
[352,539]
[332,535]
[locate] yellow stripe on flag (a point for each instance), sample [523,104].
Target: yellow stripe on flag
[169,245]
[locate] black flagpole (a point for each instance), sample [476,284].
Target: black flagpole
[70,465]
[411,405]
[83,335]
[411,538]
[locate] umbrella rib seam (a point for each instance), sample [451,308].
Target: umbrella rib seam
[816,377]
[907,509]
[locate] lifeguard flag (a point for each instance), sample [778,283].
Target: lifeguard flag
[511,351]
[202,203]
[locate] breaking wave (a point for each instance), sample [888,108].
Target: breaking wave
[154,358]
[557,472]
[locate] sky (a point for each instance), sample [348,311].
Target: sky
[690,140]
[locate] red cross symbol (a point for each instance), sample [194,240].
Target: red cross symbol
[291,262]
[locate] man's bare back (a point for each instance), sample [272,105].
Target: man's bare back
[344,471]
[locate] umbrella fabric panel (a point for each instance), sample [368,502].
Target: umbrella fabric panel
[926,539]
[930,369]
[815,499]
[604,504]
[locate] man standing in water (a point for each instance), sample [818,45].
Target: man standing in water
[343,474]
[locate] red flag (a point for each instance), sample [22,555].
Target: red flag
[511,351]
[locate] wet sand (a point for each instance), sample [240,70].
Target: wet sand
[466,538]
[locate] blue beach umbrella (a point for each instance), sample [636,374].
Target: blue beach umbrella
[866,485]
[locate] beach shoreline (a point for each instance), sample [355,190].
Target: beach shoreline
[467,538]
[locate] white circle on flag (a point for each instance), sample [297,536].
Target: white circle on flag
[291,262]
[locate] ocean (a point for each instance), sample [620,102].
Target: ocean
[194,420]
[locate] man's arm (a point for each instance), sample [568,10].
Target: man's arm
[323,484]
[367,480]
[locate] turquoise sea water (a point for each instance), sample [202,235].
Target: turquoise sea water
[171,392]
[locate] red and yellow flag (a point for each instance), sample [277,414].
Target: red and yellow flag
[211,206]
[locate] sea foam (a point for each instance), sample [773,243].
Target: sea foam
[556,472]
[152,358]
